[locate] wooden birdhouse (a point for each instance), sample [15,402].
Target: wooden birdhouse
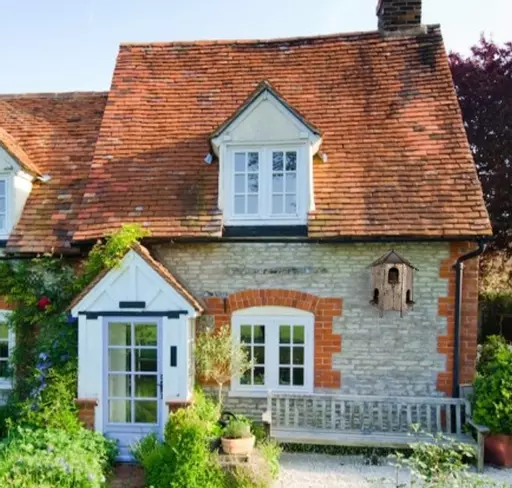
[392,283]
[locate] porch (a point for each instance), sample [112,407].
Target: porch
[369,421]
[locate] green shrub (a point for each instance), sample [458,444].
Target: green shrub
[271,452]
[237,429]
[31,458]
[493,387]
[258,431]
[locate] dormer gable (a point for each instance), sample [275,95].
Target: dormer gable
[265,151]
[17,173]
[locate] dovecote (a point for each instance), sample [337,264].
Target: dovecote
[392,279]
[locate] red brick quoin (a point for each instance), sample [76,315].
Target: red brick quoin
[324,309]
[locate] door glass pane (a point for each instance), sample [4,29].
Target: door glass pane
[119,334]
[284,376]
[4,331]
[4,369]
[290,204]
[252,204]
[252,183]
[277,161]
[298,355]
[291,183]
[284,334]
[146,412]
[253,161]
[277,182]
[145,360]
[259,355]
[245,379]
[4,350]
[2,187]
[2,221]
[146,386]
[298,376]
[145,334]
[239,184]
[277,204]
[119,359]
[239,205]
[2,204]
[119,385]
[240,162]
[291,161]
[119,411]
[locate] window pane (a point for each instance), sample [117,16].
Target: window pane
[2,221]
[119,411]
[248,351]
[239,183]
[298,355]
[245,379]
[119,385]
[259,334]
[4,350]
[2,187]
[277,204]
[291,161]
[259,355]
[4,369]
[240,162]
[145,334]
[119,360]
[277,161]
[290,204]
[145,360]
[4,331]
[245,334]
[298,377]
[240,205]
[252,204]
[284,355]
[284,334]
[284,376]
[291,182]
[146,412]
[298,334]
[2,204]
[253,161]
[146,386]
[119,334]
[259,376]
[252,183]
[277,182]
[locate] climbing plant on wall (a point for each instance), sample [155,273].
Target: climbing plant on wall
[39,292]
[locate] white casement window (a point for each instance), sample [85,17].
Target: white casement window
[3,205]
[280,347]
[6,348]
[267,186]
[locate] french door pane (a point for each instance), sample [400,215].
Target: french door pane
[291,355]
[132,372]
[253,339]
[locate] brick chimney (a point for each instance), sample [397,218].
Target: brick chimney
[399,15]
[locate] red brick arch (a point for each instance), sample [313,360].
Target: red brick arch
[324,309]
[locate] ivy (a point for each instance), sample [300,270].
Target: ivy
[39,292]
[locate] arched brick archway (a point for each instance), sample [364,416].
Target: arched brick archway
[324,309]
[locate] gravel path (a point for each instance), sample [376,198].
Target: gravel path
[320,470]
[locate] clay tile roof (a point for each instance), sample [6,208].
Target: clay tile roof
[399,163]
[8,143]
[57,133]
[144,253]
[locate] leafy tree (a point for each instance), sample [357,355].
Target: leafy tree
[219,358]
[483,81]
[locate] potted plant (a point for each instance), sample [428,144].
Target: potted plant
[237,438]
[493,399]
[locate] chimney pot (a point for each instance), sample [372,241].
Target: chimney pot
[399,15]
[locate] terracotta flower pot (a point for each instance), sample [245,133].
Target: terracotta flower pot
[498,450]
[240,447]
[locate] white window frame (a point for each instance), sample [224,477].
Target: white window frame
[264,215]
[5,382]
[272,318]
[5,230]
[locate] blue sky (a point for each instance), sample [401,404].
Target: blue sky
[65,45]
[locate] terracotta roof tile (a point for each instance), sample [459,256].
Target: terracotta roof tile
[398,159]
[57,132]
[16,151]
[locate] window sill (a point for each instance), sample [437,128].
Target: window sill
[263,393]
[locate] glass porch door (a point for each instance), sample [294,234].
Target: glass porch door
[133,379]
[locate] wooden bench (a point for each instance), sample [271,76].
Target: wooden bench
[370,421]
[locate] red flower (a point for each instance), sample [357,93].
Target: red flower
[43,303]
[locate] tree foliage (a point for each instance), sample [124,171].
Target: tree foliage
[483,81]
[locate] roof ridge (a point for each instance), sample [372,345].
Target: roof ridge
[274,40]
[66,94]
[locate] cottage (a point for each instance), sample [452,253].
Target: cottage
[318,194]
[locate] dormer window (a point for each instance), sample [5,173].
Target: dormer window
[3,205]
[265,153]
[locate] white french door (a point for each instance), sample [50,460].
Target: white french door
[133,379]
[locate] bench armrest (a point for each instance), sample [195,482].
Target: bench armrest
[266,417]
[480,429]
